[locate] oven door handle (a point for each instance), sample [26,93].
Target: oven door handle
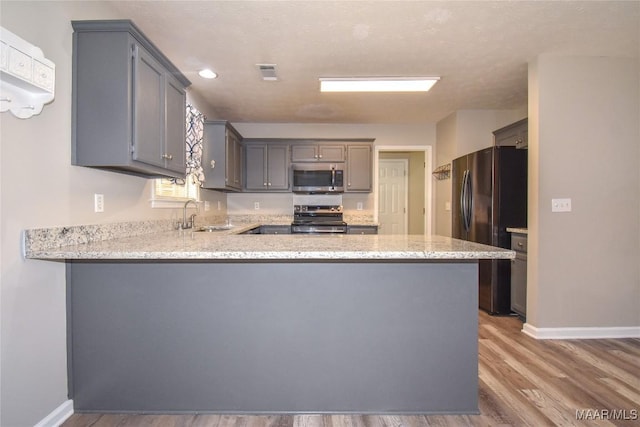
[333,178]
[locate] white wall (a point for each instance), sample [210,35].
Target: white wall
[446,135]
[584,144]
[40,188]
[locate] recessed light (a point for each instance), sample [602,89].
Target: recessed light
[378,84]
[207,74]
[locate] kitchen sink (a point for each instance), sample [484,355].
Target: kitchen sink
[211,228]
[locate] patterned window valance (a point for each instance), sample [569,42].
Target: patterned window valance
[195,136]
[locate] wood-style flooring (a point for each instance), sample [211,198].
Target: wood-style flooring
[523,382]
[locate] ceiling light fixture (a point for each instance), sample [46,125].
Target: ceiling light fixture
[377,84]
[207,74]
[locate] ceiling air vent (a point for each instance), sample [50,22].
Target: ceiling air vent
[268,72]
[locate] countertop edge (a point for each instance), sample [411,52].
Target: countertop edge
[155,243]
[282,256]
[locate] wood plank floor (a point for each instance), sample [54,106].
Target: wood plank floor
[523,382]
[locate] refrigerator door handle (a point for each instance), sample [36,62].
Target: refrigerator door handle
[463,211]
[469,203]
[464,201]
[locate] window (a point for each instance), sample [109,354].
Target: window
[170,193]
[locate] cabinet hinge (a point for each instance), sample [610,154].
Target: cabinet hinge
[133,149]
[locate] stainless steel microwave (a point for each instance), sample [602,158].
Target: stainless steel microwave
[318,177]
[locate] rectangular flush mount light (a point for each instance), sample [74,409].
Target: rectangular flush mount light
[378,84]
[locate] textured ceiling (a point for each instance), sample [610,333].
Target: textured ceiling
[480,49]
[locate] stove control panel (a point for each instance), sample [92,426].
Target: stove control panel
[317,209]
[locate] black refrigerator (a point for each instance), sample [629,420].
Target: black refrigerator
[489,195]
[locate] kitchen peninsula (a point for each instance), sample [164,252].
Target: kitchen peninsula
[183,321]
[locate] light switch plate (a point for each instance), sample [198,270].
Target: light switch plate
[98,202]
[560,205]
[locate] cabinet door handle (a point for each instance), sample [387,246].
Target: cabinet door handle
[167,156]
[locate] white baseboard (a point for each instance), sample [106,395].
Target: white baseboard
[580,333]
[58,415]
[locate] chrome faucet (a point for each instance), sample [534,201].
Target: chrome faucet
[188,224]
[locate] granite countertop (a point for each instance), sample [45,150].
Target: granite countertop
[229,245]
[517,230]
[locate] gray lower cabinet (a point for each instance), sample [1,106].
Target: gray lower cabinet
[362,229]
[269,229]
[128,102]
[266,167]
[359,168]
[222,156]
[275,229]
[255,230]
[519,274]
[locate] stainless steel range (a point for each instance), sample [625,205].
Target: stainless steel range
[318,219]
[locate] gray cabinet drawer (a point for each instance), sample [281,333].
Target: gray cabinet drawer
[519,242]
[275,229]
[362,229]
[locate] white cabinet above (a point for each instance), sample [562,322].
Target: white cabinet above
[27,78]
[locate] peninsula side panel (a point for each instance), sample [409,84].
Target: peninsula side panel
[283,337]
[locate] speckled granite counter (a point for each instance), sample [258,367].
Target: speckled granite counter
[518,230]
[221,245]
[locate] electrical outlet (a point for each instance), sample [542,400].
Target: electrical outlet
[98,202]
[207,206]
[359,206]
[256,205]
[560,205]
[219,205]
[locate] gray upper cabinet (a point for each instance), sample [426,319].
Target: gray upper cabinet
[359,168]
[175,129]
[128,102]
[317,153]
[222,156]
[513,135]
[267,167]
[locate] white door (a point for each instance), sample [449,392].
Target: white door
[392,196]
